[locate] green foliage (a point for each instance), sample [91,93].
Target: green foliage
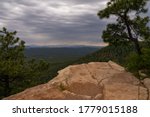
[135,62]
[13,65]
[11,47]
[146,58]
[115,34]
[140,26]
[62,87]
[120,7]
[11,58]
[128,28]
[114,53]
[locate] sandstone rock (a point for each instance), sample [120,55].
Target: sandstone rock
[142,75]
[41,92]
[147,82]
[123,77]
[121,91]
[143,93]
[147,85]
[99,97]
[116,66]
[81,82]
[95,80]
[72,96]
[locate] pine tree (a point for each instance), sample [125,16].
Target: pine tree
[11,58]
[13,64]
[130,25]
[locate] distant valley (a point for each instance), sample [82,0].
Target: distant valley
[59,53]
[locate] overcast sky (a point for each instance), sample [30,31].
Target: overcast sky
[54,22]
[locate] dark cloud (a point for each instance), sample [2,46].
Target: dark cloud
[46,22]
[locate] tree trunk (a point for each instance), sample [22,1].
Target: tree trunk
[6,87]
[134,40]
[137,47]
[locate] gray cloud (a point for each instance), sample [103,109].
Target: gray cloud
[45,22]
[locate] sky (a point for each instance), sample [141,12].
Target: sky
[54,22]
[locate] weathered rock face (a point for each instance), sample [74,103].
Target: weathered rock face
[96,80]
[147,85]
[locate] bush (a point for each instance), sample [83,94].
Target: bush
[132,62]
[135,62]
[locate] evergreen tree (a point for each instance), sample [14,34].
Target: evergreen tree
[11,58]
[130,25]
[13,64]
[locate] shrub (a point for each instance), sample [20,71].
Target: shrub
[134,62]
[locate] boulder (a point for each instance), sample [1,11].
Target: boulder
[92,81]
[147,85]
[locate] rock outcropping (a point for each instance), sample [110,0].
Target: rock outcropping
[93,81]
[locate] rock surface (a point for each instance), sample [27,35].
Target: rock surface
[147,85]
[92,81]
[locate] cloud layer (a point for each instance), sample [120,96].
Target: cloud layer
[57,22]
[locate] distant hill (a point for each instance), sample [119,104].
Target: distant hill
[114,53]
[56,54]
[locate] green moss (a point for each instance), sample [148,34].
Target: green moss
[62,87]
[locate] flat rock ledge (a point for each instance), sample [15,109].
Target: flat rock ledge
[92,81]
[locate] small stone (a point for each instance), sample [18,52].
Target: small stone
[98,97]
[143,93]
[146,82]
